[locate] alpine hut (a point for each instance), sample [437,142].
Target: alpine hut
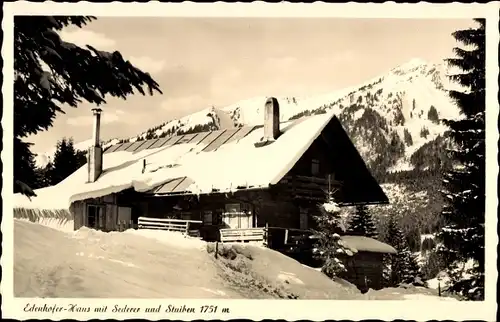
[273,175]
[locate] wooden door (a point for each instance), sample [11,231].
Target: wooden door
[96,217]
[91,216]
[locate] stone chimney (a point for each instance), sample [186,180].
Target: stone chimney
[95,151]
[271,119]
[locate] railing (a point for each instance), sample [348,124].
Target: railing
[179,225]
[288,235]
[274,237]
[243,235]
[125,224]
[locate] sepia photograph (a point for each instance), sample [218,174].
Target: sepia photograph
[246,157]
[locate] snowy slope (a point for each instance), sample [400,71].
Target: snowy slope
[159,264]
[171,267]
[387,117]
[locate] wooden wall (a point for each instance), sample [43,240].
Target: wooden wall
[315,152]
[78,210]
[364,269]
[268,206]
[111,221]
[276,210]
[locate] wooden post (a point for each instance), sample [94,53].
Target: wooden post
[187,228]
[216,249]
[286,236]
[266,235]
[439,289]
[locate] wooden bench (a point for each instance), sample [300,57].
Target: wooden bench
[178,225]
[242,235]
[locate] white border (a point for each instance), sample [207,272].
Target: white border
[273,309]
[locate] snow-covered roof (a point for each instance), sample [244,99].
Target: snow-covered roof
[366,244]
[200,163]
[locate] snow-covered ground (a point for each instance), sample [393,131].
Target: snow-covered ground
[155,264]
[442,279]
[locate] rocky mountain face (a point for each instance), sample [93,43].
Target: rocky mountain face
[393,119]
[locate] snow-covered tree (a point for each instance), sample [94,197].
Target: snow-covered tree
[462,238]
[50,73]
[329,247]
[361,223]
[403,265]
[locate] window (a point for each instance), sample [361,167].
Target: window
[314,167]
[235,216]
[96,217]
[233,208]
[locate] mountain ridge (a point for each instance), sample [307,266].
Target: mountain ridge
[393,119]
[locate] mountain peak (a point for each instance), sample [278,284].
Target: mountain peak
[411,65]
[414,62]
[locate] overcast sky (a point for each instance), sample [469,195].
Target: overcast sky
[218,61]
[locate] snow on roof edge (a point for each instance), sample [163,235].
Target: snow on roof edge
[367,244]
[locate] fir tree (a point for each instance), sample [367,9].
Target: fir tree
[403,264]
[66,161]
[24,166]
[81,158]
[329,246]
[462,238]
[432,115]
[50,73]
[44,176]
[361,223]
[407,137]
[424,132]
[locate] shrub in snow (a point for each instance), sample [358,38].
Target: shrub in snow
[329,245]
